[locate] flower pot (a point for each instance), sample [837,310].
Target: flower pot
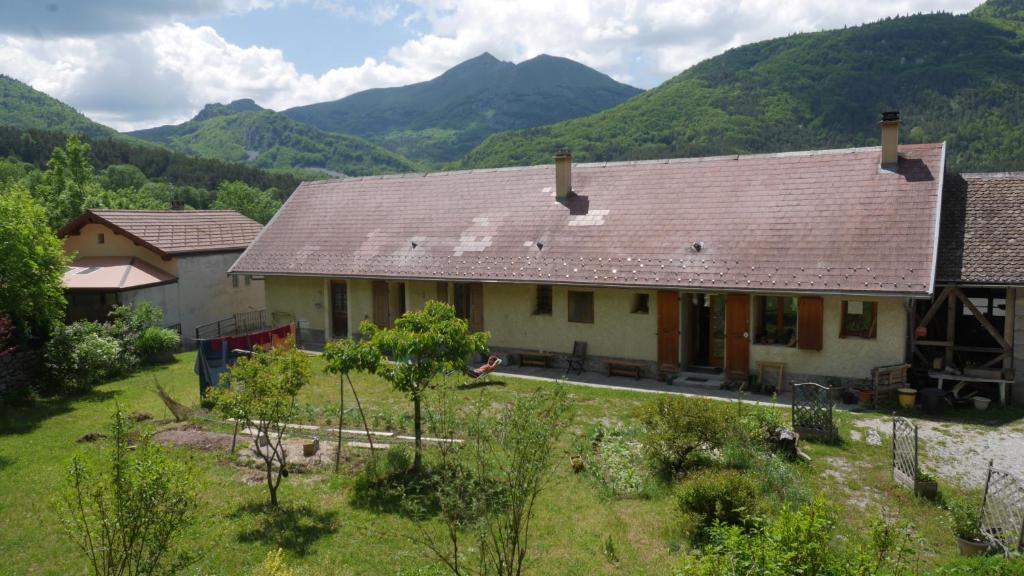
[866,397]
[981,403]
[908,397]
[971,547]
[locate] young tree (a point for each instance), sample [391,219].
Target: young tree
[488,488]
[423,345]
[32,265]
[260,205]
[260,393]
[127,519]
[68,181]
[343,357]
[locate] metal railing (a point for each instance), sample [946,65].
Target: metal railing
[236,324]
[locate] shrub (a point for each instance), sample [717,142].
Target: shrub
[677,428]
[982,566]
[128,324]
[157,344]
[274,565]
[128,519]
[82,355]
[615,461]
[965,516]
[719,496]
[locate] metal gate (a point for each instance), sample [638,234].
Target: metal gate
[904,451]
[812,411]
[1002,511]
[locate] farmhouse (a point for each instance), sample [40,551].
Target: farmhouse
[816,260]
[175,259]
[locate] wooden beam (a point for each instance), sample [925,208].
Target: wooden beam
[981,318]
[946,344]
[924,361]
[950,325]
[994,361]
[987,349]
[935,307]
[1009,325]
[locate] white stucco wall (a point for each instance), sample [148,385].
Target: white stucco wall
[207,293]
[86,244]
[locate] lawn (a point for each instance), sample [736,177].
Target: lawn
[322,532]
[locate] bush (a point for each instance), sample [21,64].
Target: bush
[965,516]
[157,344]
[615,460]
[677,428]
[82,355]
[719,496]
[386,480]
[128,324]
[982,566]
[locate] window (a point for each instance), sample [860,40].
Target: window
[101,239]
[776,320]
[542,302]
[248,279]
[581,307]
[860,319]
[234,281]
[641,304]
[462,301]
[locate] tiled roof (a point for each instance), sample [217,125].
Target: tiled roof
[176,231]
[982,239]
[828,221]
[113,273]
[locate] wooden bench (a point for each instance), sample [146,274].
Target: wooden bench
[542,359]
[621,368]
[1000,382]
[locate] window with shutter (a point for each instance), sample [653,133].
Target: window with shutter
[810,318]
[859,319]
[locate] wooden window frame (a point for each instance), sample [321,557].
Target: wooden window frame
[641,303]
[101,238]
[780,319]
[871,333]
[543,300]
[571,296]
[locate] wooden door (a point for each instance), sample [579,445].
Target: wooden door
[339,310]
[737,336]
[668,330]
[716,330]
[381,304]
[476,307]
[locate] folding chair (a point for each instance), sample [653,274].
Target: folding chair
[579,355]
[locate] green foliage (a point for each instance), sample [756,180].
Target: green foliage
[128,324]
[442,119]
[965,517]
[423,344]
[614,458]
[386,480]
[68,181]
[982,566]
[82,355]
[719,496]
[274,565]
[32,266]
[799,541]
[260,205]
[266,139]
[128,519]
[815,90]
[24,107]
[675,428]
[260,392]
[157,344]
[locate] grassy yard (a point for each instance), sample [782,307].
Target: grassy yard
[322,532]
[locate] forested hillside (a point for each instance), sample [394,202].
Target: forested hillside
[957,79]
[22,106]
[442,119]
[243,132]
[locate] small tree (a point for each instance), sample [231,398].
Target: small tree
[343,357]
[260,205]
[127,520]
[490,486]
[422,345]
[260,393]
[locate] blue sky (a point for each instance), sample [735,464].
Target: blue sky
[137,63]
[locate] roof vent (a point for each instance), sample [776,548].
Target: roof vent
[890,140]
[563,174]
[697,246]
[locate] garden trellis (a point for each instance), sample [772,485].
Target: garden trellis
[1002,511]
[904,452]
[812,411]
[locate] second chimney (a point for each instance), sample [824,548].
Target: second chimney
[563,174]
[890,140]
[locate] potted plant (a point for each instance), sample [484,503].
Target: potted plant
[926,485]
[908,397]
[965,516]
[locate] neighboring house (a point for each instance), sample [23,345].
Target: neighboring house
[175,259]
[814,259]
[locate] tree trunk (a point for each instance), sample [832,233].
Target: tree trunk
[341,418]
[417,463]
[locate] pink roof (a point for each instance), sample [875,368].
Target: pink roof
[823,221]
[168,232]
[114,273]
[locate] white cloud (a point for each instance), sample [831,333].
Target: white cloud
[146,69]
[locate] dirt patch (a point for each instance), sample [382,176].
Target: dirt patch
[960,453]
[843,475]
[140,416]
[91,437]
[193,438]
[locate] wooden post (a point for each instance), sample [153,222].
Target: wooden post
[950,327]
[1009,324]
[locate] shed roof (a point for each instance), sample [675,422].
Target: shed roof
[982,239]
[175,232]
[114,273]
[822,221]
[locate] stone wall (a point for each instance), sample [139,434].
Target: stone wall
[19,370]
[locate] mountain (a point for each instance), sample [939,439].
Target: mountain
[244,132]
[958,79]
[22,106]
[442,119]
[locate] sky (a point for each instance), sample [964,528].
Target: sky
[133,64]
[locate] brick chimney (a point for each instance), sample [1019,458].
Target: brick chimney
[563,174]
[890,140]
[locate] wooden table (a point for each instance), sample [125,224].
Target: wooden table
[779,366]
[542,359]
[943,376]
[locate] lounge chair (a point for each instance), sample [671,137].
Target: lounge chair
[490,366]
[579,355]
